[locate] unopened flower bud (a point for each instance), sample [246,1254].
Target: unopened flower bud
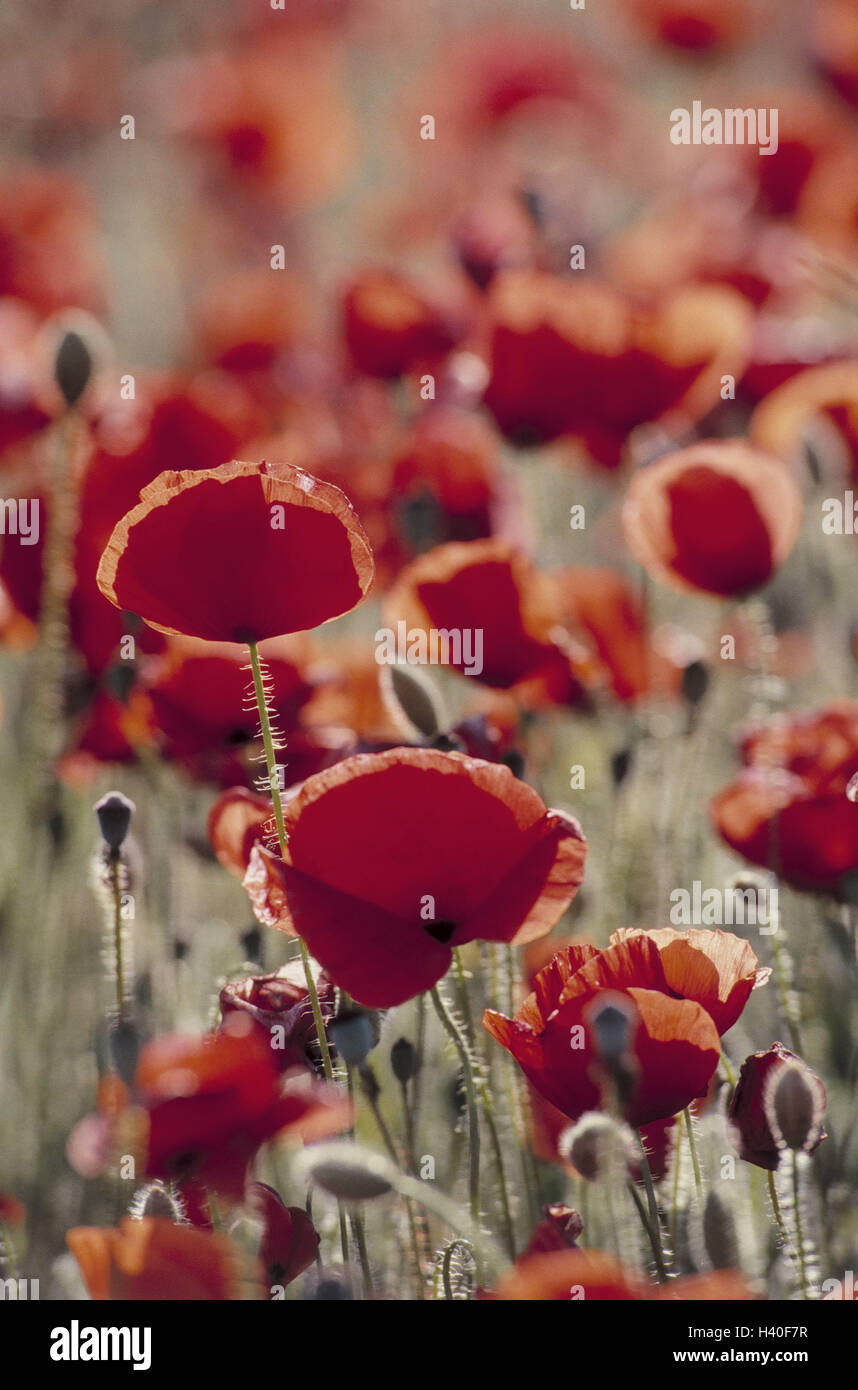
[403,1060]
[792,1106]
[598,1147]
[695,682]
[354,1033]
[349,1172]
[72,366]
[719,1233]
[114,813]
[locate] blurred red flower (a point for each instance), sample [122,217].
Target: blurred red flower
[787,810]
[237,553]
[593,1275]
[718,516]
[154,1259]
[289,1238]
[391,327]
[675,1043]
[580,358]
[490,587]
[395,858]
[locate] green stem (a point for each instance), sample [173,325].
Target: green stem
[799,1233]
[274,786]
[654,1240]
[450,1028]
[692,1145]
[116,889]
[368,1090]
[654,1222]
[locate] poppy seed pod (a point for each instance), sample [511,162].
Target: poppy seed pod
[598,1147]
[114,813]
[612,1024]
[349,1172]
[354,1033]
[403,1060]
[792,1105]
[72,367]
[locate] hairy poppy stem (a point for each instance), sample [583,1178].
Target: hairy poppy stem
[652,1236]
[799,1231]
[450,1028]
[488,1109]
[654,1223]
[692,1145]
[118,954]
[274,786]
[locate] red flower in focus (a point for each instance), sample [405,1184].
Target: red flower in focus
[488,586]
[715,968]
[154,1259]
[592,1275]
[787,810]
[237,554]
[750,1114]
[280,1007]
[391,327]
[569,358]
[395,858]
[675,1043]
[289,1238]
[718,516]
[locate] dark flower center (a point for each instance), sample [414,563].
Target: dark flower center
[441,931]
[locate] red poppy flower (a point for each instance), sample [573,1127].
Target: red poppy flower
[395,858]
[154,1259]
[197,692]
[289,1238]
[593,1275]
[391,327]
[48,250]
[718,516]
[244,323]
[280,1007]
[206,1105]
[781,420]
[787,810]
[238,820]
[489,587]
[296,553]
[715,968]
[12,1212]
[600,604]
[749,1116]
[570,358]
[675,1044]
[451,456]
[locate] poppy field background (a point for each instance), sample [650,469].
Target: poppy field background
[322,322]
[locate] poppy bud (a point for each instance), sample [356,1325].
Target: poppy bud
[792,1105]
[719,1233]
[354,1033]
[412,697]
[123,1046]
[332,1287]
[598,1147]
[114,813]
[757,1125]
[349,1172]
[621,763]
[72,366]
[695,682]
[403,1060]
[157,1199]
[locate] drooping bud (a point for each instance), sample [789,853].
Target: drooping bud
[354,1033]
[598,1147]
[755,1127]
[719,1233]
[157,1199]
[349,1172]
[72,366]
[403,1060]
[793,1106]
[114,813]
